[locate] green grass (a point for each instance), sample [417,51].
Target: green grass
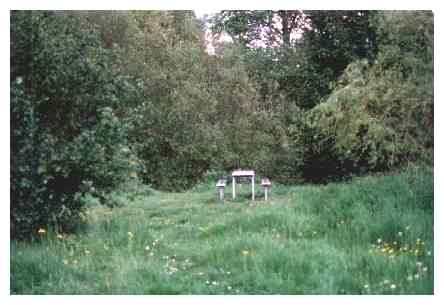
[304,240]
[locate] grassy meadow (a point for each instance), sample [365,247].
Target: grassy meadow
[369,235]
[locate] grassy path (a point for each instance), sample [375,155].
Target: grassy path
[371,236]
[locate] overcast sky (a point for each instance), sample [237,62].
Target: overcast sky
[201,12]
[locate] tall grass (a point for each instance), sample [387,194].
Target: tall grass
[371,235]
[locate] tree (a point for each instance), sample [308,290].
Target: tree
[64,93]
[252,28]
[379,116]
[303,66]
[331,40]
[335,38]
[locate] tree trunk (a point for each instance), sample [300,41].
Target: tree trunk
[286,30]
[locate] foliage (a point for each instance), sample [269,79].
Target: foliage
[253,28]
[336,38]
[402,79]
[376,117]
[180,127]
[303,51]
[65,138]
[101,101]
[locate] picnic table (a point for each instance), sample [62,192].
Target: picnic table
[243,173]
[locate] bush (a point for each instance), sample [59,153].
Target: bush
[64,128]
[378,116]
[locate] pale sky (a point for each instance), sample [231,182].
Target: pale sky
[208,38]
[201,12]
[224,37]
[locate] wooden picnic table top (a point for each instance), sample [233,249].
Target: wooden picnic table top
[242,173]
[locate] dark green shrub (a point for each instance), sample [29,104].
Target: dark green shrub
[379,116]
[65,137]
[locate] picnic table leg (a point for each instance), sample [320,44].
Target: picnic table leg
[234,187]
[252,187]
[221,193]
